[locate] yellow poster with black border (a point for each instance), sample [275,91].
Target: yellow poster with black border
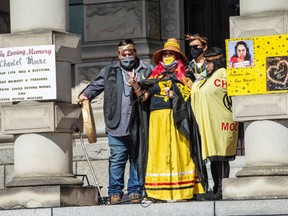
[257,65]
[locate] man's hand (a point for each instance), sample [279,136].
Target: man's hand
[81,98]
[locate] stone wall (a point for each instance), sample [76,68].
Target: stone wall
[105,23]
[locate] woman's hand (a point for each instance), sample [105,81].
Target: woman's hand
[168,92]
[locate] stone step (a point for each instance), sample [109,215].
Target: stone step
[100,167]
[199,208]
[235,166]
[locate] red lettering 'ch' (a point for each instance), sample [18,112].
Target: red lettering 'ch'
[222,83]
[217,82]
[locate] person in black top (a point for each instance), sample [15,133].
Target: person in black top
[197,66]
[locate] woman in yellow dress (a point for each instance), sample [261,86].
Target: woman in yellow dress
[212,108]
[171,173]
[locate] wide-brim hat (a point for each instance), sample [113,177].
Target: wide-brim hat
[171,45]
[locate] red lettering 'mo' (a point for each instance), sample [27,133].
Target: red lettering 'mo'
[225,125]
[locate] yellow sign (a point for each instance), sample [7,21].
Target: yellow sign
[257,65]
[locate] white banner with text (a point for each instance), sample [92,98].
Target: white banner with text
[27,73]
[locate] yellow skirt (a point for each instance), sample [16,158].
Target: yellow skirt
[171,173]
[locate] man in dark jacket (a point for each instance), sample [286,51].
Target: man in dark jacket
[119,81]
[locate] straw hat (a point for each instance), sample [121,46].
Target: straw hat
[171,45]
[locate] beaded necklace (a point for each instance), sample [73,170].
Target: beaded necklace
[124,77]
[124,73]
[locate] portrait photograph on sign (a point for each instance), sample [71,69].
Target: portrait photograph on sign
[257,65]
[241,53]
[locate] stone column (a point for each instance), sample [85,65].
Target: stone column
[108,22]
[265,173]
[172,20]
[28,15]
[43,171]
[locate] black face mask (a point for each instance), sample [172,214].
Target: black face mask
[196,52]
[129,63]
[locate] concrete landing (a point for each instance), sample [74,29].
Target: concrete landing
[199,208]
[48,196]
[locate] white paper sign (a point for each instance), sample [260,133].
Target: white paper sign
[27,73]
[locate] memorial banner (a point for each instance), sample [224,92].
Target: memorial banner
[27,73]
[257,65]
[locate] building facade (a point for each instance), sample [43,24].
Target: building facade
[102,24]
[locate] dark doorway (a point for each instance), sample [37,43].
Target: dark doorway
[210,18]
[4,16]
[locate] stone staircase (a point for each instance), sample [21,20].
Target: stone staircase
[235,166]
[199,208]
[205,208]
